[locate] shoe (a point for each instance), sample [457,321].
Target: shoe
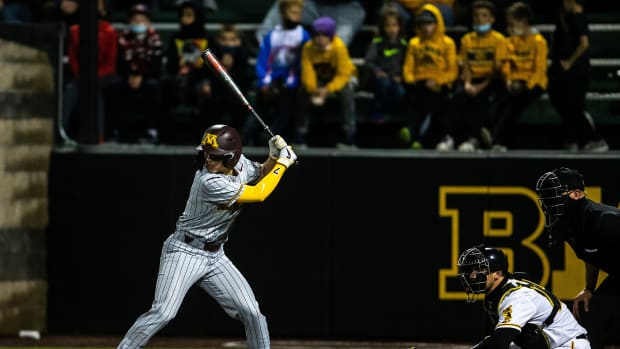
[486,137]
[447,143]
[499,147]
[405,135]
[469,145]
[416,145]
[152,137]
[596,146]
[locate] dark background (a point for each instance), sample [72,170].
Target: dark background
[348,246]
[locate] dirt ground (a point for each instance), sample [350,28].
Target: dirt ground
[223,343]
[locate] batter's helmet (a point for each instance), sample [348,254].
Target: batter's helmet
[476,263]
[551,188]
[222,141]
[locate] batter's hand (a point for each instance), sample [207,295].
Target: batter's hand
[287,156]
[276,143]
[583,297]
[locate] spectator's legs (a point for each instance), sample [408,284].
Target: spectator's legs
[349,122]
[514,107]
[421,104]
[349,18]
[285,112]
[568,97]
[381,90]
[69,101]
[303,119]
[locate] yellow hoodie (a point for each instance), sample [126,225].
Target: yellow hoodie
[433,58]
[526,59]
[334,66]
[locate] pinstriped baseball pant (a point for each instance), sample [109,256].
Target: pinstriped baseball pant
[182,266]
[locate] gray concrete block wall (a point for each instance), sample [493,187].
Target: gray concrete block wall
[27,109]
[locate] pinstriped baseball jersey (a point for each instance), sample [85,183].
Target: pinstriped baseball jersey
[211,207]
[525,304]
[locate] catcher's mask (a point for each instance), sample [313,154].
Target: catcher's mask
[475,264]
[552,188]
[221,142]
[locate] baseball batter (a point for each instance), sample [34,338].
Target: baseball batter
[524,313]
[194,253]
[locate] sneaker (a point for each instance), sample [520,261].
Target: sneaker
[596,146]
[499,147]
[405,135]
[447,143]
[469,145]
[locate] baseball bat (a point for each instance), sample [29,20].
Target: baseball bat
[214,63]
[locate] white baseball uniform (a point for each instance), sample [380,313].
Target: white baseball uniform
[526,302]
[194,254]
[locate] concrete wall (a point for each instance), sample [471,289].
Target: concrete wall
[26,134]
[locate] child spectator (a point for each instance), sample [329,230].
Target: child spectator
[569,78]
[480,57]
[429,72]
[278,72]
[223,106]
[524,69]
[135,112]
[187,82]
[106,70]
[326,68]
[348,14]
[384,65]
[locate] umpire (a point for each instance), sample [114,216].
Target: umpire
[593,232]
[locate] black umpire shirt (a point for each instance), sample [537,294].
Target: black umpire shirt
[593,231]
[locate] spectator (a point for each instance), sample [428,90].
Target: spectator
[429,72]
[326,69]
[135,113]
[17,11]
[223,106]
[408,9]
[569,78]
[480,57]
[278,72]
[592,230]
[348,14]
[384,65]
[106,70]
[525,72]
[187,84]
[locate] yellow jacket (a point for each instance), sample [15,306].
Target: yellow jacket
[433,58]
[526,59]
[333,66]
[482,54]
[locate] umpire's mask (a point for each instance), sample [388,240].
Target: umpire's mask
[473,268]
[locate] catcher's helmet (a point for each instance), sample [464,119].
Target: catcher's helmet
[222,141]
[551,188]
[476,263]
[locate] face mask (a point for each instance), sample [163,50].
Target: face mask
[288,24]
[482,28]
[138,28]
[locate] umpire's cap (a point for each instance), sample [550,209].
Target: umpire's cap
[570,178]
[222,141]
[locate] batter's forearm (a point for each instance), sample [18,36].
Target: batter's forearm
[261,190]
